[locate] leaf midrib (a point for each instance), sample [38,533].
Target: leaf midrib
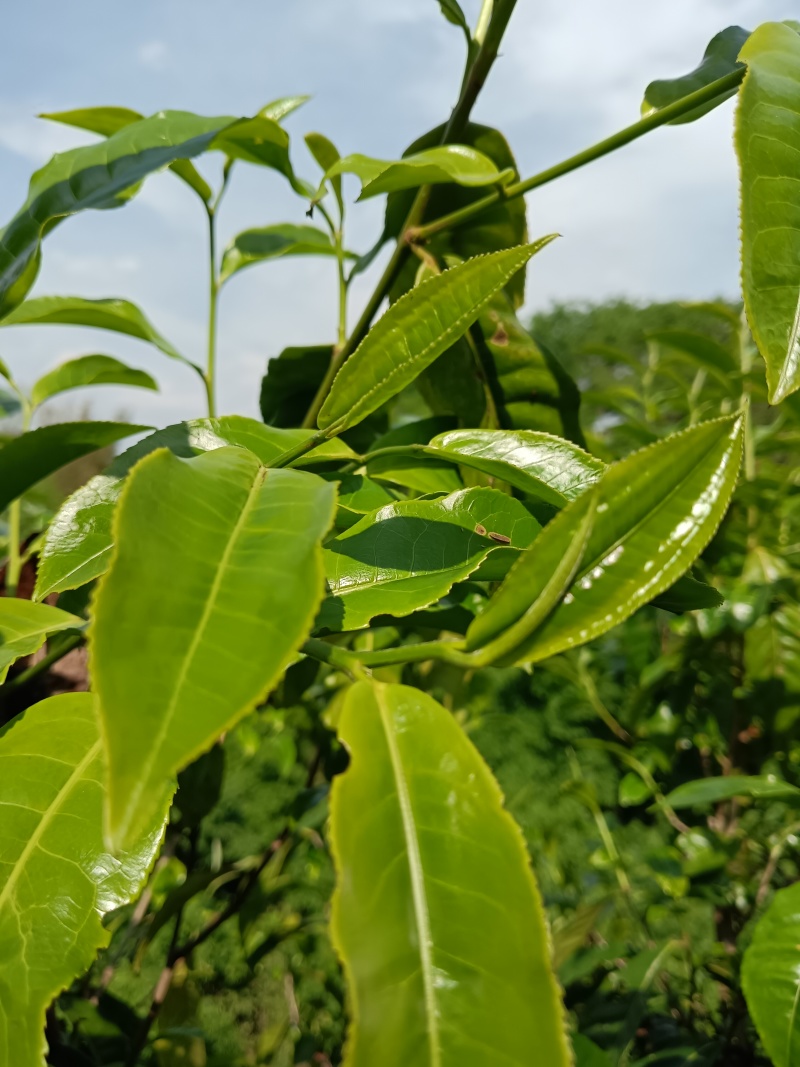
[421,914]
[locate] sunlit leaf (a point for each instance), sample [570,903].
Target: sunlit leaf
[24,627]
[237,546]
[57,879]
[415,331]
[89,370]
[436,914]
[283,106]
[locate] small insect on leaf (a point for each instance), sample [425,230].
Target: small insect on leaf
[500,538]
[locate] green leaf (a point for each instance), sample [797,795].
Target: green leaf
[26,459]
[79,540]
[657,510]
[272,242]
[89,370]
[540,464]
[720,58]
[327,155]
[726,787]
[687,594]
[262,141]
[767,144]
[772,648]
[771,977]
[445,163]
[24,627]
[702,351]
[588,1054]
[413,471]
[57,879]
[106,121]
[415,331]
[408,554]
[93,177]
[283,106]
[291,382]
[436,914]
[119,316]
[451,10]
[238,548]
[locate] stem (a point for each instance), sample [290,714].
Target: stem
[474,80]
[213,299]
[588,155]
[291,454]
[352,660]
[15,561]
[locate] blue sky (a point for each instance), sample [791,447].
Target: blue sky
[657,220]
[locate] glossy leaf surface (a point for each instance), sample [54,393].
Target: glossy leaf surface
[79,540]
[771,977]
[272,242]
[656,511]
[415,331]
[89,370]
[93,176]
[436,914]
[540,464]
[26,459]
[726,787]
[768,143]
[238,547]
[24,627]
[119,316]
[57,879]
[720,58]
[408,554]
[445,163]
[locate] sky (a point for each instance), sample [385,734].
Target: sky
[657,220]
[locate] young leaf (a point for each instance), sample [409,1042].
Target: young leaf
[24,627]
[771,977]
[93,177]
[57,879]
[720,58]
[262,141]
[26,459]
[767,144]
[79,540]
[408,554]
[415,331]
[106,121]
[436,914]
[283,106]
[119,316]
[236,547]
[271,242]
[451,10]
[540,464]
[327,155]
[89,370]
[445,163]
[707,791]
[656,511]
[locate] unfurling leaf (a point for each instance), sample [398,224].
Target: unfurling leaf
[214,583]
[415,331]
[24,627]
[768,145]
[57,878]
[436,914]
[721,57]
[79,540]
[771,977]
[89,370]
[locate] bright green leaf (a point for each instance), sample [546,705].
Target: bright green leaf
[771,977]
[57,879]
[272,242]
[408,554]
[768,144]
[26,459]
[327,155]
[720,58]
[436,914]
[24,627]
[238,548]
[415,331]
[707,791]
[89,370]
[119,316]
[283,106]
[79,540]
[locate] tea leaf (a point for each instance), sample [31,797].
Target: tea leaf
[89,370]
[24,627]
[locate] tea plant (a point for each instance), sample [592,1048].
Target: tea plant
[219,561]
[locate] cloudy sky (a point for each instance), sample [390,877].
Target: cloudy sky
[657,220]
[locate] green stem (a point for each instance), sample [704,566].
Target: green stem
[474,80]
[291,454]
[15,560]
[588,155]
[213,300]
[352,660]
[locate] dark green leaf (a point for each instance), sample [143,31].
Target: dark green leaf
[772,648]
[327,155]
[89,370]
[451,10]
[272,242]
[725,787]
[768,143]
[291,382]
[173,672]
[436,914]
[262,141]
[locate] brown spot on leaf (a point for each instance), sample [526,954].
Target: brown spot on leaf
[500,538]
[499,337]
